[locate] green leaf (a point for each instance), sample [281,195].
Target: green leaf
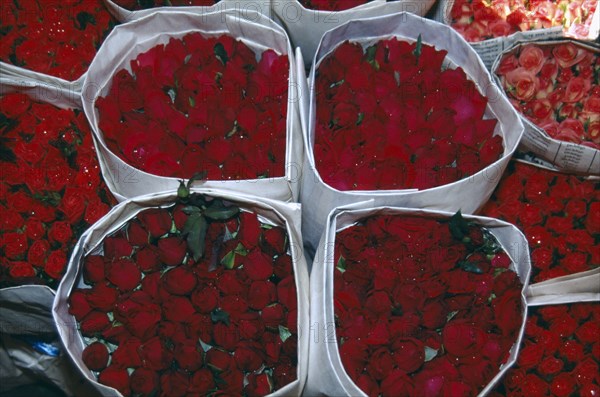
[430,353]
[241,250]
[192,209]
[195,228]
[361,117]
[470,267]
[182,191]
[221,53]
[192,102]
[219,212]
[284,333]
[419,48]
[6,153]
[341,265]
[83,18]
[459,227]
[498,271]
[451,315]
[229,260]
[219,315]
[205,346]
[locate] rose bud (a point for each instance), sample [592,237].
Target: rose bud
[368,385]
[154,355]
[397,383]
[93,269]
[144,321]
[124,274]
[148,259]
[205,299]
[258,385]
[354,357]
[127,354]
[156,220]
[179,281]
[462,338]
[143,381]
[137,235]
[179,216]
[117,247]
[249,230]
[409,354]
[116,334]
[174,383]
[380,364]
[286,293]
[563,384]
[261,294]
[273,315]
[202,382]
[95,356]
[247,358]
[218,359]
[234,381]
[229,284]
[282,266]
[251,326]
[172,250]
[60,232]
[116,378]
[188,355]
[226,336]
[151,283]
[274,240]
[102,297]
[78,304]
[178,309]
[258,265]
[94,323]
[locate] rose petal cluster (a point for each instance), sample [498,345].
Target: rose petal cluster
[392,117]
[560,353]
[558,213]
[478,20]
[211,102]
[134,5]
[166,324]
[556,87]
[59,38]
[51,188]
[419,310]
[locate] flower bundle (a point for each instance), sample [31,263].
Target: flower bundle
[558,213]
[59,38]
[213,106]
[51,189]
[560,354]
[391,116]
[423,305]
[557,88]
[194,298]
[478,20]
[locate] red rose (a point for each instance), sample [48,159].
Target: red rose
[409,354]
[14,244]
[572,351]
[154,355]
[275,239]
[379,304]
[550,366]
[234,382]
[229,284]
[251,326]
[73,205]
[95,210]
[380,364]
[143,322]
[273,315]
[60,232]
[189,355]
[95,322]
[156,220]
[174,383]
[588,332]
[124,274]
[78,304]
[148,259]
[258,385]
[117,247]
[354,356]
[530,356]
[102,297]
[95,356]
[172,250]
[258,265]
[143,381]
[136,234]
[34,229]
[116,378]
[562,384]
[462,338]
[55,264]
[249,230]
[37,253]
[178,309]
[247,358]
[93,268]
[260,294]
[202,382]
[127,354]
[205,299]
[218,359]
[179,281]
[397,384]
[286,293]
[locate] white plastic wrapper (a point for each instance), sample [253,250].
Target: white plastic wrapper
[579,287]
[128,40]
[26,312]
[306,26]
[262,6]
[61,93]
[566,156]
[278,213]
[489,49]
[330,377]
[467,194]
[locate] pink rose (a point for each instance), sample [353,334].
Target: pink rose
[523,82]
[532,58]
[567,55]
[577,89]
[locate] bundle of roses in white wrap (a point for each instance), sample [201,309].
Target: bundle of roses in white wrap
[270,212]
[467,194]
[127,41]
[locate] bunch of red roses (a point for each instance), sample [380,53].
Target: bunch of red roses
[423,306]
[144,4]
[332,5]
[558,213]
[190,300]
[557,88]
[560,354]
[59,38]
[478,20]
[51,188]
[391,118]
[209,102]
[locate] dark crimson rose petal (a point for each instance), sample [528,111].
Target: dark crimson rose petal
[397,384]
[102,297]
[462,338]
[94,322]
[124,274]
[258,385]
[205,299]
[117,247]
[78,304]
[202,382]
[189,355]
[157,221]
[95,356]
[127,354]
[154,355]
[409,354]
[258,265]
[174,383]
[172,250]
[93,268]
[218,359]
[143,381]
[116,378]
[179,281]
[177,309]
